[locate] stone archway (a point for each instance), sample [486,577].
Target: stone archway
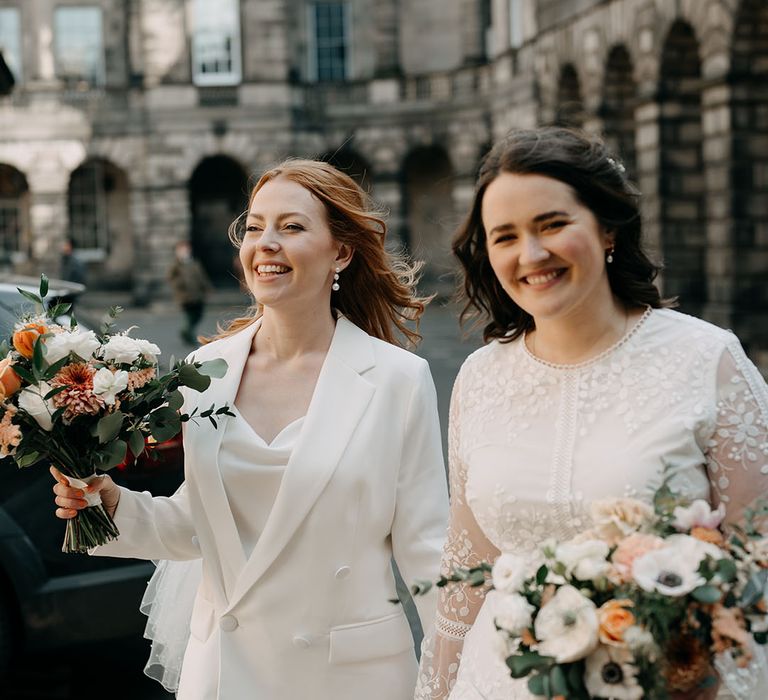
[353,164]
[427,211]
[218,194]
[618,107]
[749,176]
[570,106]
[99,215]
[681,170]
[15,234]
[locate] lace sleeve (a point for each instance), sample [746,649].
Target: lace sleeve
[737,451]
[466,546]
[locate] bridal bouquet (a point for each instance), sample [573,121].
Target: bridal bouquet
[643,604]
[82,400]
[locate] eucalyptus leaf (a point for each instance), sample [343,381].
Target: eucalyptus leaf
[164,423]
[520,665]
[726,570]
[536,684]
[108,427]
[113,454]
[190,377]
[136,442]
[558,681]
[213,368]
[708,595]
[175,400]
[541,574]
[27,459]
[754,589]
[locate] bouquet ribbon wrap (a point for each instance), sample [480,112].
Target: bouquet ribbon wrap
[91,498]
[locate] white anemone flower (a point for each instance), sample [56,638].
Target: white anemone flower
[611,673]
[673,570]
[148,350]
[509,573]
[587,560]
[567,626]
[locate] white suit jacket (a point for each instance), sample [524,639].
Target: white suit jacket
[307,615]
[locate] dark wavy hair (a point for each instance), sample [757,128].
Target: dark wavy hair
[597,178]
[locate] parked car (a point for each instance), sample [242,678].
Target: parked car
[48,598]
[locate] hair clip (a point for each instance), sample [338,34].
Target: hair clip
[617,165]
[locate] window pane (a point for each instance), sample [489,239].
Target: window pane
[515,23]
[88,207]
[216,42]
[78,44]
[13,209]
[330,40]
[10,39]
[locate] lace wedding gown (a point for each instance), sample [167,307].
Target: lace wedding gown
[531,444]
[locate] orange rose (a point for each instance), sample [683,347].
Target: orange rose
[615,619]
[24,339]
[10,382]
[706,534]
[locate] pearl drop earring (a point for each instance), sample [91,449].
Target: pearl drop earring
[609,257]
[335,286]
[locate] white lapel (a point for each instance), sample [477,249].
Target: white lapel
[338,403]
[218,531]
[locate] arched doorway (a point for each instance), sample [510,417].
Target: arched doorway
[15,236]
[353,164]
[98,205]
[681,170]
[570,107]
[618,107]
[749,176]
[427,211]
[218,194]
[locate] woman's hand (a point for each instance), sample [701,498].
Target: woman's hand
[70,499]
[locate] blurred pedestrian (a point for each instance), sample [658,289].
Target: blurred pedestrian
[72,267]
[190,287]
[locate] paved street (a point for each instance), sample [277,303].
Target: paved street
[115,671]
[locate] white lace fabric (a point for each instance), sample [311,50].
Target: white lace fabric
[531,444]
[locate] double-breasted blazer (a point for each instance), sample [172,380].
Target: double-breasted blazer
[308,614]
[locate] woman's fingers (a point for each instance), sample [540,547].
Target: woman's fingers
[71,503]
[58,476]
[65,514]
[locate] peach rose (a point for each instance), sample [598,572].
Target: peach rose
[10,382]
[616,518]
[24,339]
[615,619]
[630,549]
[706,534]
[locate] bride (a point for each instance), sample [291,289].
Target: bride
[588,384]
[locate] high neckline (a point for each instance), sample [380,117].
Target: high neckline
[630,332]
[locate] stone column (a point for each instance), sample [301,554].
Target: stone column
[387,41]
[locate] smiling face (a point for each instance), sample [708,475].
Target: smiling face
[546,249]
[287,252]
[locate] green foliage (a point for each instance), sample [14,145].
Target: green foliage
[189,376]
[709,595]
[164,423]
[43,286]
[136,442]
[215,369]
[108,427]
[520,665]
[29,296]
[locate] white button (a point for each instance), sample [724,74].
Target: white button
[228,623]
[301,642]
[342,572]
[195,541]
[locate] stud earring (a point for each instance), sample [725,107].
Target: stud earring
[609,257]
[335,286]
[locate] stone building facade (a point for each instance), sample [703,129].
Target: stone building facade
[135,123]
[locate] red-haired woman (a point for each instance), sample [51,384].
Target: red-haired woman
[331,466]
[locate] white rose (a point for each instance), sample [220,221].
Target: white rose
[108,384]
[121,349]
[698,514]
[513,613]
[148,350]
[31,401]
[673,570]
[509,573]
[81,343]
[586,560]
[567,626]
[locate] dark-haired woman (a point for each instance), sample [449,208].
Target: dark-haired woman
[330,466]
[587,386]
